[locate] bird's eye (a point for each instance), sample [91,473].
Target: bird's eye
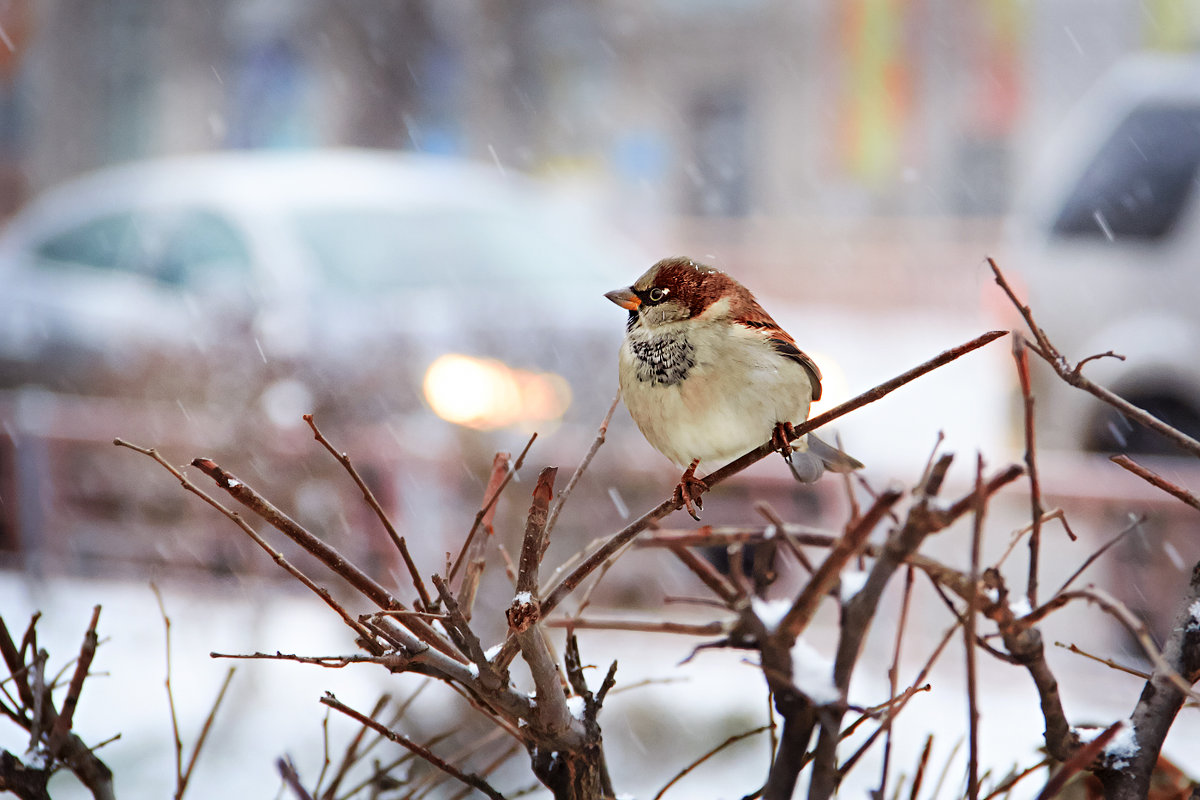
[657,294]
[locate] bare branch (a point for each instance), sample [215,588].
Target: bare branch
[601,433]
[1075,377]
[470,779]
[535,531]
[1086,755]
[627,534]
[732,740]
[487,507]
[1035,487]
[391,661]
[177,740]
[1154,479]
[472,552]
[969,635]
[62,725]
[287,771]
[826,576]
[1108,662]
[720,585]
[466,640]
[204,731]
[248,529]
[660,626]
[1101,550]
[369,497]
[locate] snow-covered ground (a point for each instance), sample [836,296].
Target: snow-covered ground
[650,731]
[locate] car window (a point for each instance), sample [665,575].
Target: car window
[1141,179]
[201,247]
[109,242]
[173,247]
[372,249]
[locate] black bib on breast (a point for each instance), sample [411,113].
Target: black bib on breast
[663,360]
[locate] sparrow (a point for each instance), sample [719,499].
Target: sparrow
[708,376]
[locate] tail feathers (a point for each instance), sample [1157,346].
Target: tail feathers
[815,457]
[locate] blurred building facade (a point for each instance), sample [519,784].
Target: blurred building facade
[706,108]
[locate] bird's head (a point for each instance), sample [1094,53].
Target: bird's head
[677,289]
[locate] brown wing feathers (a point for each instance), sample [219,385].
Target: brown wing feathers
[786,346]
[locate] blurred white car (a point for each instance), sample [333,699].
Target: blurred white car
[429,311]
[343,273]
[1108,245]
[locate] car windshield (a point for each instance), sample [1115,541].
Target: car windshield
[374,249]
[1141,179]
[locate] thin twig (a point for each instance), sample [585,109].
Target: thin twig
[1133,526]
[732,740]
[287,771]
[1006,786]
[1156,480]
[660,626]
[62,725]
[350,755]
[465,638]
[467,778]
[893,679]
[1108,662]
[204,731]
[473,552]
[1086,755]
[922,762]
[1021,356]
[248,529]
[331,662]
[601,433]
[627,534]
[721,585]
[178,740]
[369,496]
[1074,376]
[767,512]
[969,636]
[487,507]
[823,580]
[895,706]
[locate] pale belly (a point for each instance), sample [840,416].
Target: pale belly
[712,416]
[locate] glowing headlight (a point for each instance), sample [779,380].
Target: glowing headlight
[486,394]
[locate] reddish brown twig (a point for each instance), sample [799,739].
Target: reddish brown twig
[618,540]
[487,507]
[969,636]
[732,740]
[287,771]
[369,497]
[659,626]
[828,573]
[405,741]
[248,529]
[720,585]
[1021,356]
[1108,662]
[470,779]
[601,434]
[473,549]
[1086,755]
[1154,479]
[62,725]
[1074,375]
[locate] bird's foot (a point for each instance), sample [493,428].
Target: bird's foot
[688,492]
[781,439]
